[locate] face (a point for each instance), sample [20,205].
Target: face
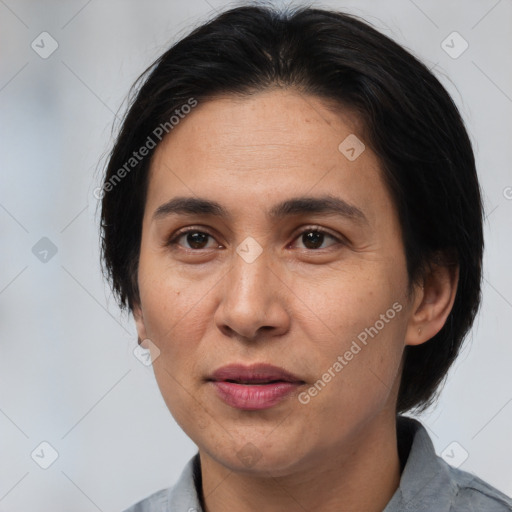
[318,292]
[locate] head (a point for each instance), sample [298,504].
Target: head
[329,191]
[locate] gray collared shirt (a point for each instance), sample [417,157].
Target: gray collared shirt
[427,482]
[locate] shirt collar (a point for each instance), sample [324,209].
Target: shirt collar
[425,481]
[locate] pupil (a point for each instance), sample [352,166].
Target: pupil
[196,239]
[312,237]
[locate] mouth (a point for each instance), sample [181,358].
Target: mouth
[253,387]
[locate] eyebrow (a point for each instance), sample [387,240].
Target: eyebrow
[326,204]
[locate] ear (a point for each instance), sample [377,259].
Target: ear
[433,301]
[139,322]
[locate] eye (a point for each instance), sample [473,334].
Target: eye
[313,238]
[195,238]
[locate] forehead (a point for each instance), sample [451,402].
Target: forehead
[256,149]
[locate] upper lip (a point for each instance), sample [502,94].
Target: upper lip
[260,372]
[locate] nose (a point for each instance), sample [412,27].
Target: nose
[253,301]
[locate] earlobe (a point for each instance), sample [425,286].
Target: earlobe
[139,322]
[433,303]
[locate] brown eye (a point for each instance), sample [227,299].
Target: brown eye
[195,239]
[314,238]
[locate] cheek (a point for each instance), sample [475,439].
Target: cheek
[177,319]
[347,299]
[170,301]
[371,359]
[365,317]
[175,324]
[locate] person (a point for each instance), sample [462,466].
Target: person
[292,214]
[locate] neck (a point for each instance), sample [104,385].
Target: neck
[363,475]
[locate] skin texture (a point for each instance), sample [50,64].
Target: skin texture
[296,306]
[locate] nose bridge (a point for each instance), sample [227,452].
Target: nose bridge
[249,299]
[250,272]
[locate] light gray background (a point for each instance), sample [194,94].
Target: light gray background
[68,375]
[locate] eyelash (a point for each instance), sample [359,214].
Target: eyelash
[173,240]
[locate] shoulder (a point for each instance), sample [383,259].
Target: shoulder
[183,496]
[429,483]
[474,494]
[156,502]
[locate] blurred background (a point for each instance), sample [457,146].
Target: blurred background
[69,378]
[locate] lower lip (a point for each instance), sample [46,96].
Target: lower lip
[254,397]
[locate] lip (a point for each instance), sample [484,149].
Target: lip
[257,373]
[254,387]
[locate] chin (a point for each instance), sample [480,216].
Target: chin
[258,455]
